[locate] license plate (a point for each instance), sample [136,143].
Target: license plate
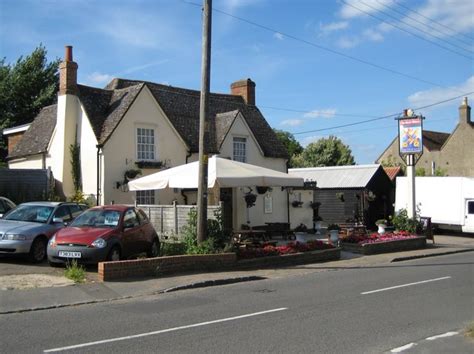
[69,254]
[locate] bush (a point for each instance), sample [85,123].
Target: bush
[172,248]
[402,222]
[216,237]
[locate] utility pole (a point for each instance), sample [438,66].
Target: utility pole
[203,122]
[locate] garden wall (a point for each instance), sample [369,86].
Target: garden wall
[386,247]
[209,262]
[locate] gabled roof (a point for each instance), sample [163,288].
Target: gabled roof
[354,176]
[106,108]
[392,172]
[434,140]
[36,139]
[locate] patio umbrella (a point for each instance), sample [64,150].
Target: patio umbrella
[223,172]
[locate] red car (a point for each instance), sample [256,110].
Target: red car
[104,233]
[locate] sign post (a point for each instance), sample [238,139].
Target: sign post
[410,138]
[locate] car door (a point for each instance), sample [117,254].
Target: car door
[147,231]
[63,213]
[132,233]
[469,217]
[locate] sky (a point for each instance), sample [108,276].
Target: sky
[317,64]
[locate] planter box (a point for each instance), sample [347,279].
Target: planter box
[386,247]
[207,263]
[332,254]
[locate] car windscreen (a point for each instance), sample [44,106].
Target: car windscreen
[34,213]
[97,218]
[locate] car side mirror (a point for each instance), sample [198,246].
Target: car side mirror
[58,220]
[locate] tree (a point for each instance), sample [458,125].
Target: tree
[26,87]
[325,152]
[292,145]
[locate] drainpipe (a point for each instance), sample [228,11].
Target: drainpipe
[99,147]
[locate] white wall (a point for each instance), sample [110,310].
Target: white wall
[120,152]
[255,157]
[34,161]
[64,133]
[88,142]
[304,214]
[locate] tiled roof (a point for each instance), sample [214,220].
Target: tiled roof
[354,176]
[434,140]
[392,172]
[36,139]
[106,108]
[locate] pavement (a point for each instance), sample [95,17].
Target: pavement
[48,291]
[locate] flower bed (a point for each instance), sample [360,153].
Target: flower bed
[292,247]
[389,242]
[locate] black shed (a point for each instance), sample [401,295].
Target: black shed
[361,193]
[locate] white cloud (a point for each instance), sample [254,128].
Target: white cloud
[333,27]
[321,113]
[348,42]
[292,122]
[424,98]
[350,10]
[142,67]
[309,139]
[278,36]
[97,78]
[373,35]
[456,15]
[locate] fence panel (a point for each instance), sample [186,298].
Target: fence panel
[169,220]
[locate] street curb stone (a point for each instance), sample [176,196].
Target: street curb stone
[426,255]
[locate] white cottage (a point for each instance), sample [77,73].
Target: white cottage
[136,125]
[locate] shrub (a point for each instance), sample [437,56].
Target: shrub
[401,221]
[172,248]
[216,237]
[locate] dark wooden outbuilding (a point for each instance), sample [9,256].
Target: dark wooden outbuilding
[362,193]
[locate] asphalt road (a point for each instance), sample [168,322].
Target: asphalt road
[361,310]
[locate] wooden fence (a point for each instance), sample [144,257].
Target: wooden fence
[168,220]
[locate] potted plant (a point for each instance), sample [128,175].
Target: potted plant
[381,224]
[333,233]
[250,199]
[317,222]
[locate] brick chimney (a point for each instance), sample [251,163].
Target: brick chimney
[68,74]
[465,112]
[244,88]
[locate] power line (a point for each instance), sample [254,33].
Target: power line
[347,56]
[434,21]
[382,117]
[403,29]
[321,113]
[429,26]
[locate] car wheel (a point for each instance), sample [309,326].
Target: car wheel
[38,250]
[154,250]
[114,254]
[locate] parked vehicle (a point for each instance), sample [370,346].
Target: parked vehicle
[5,206]
[104,233]
[449,201]
[27,228]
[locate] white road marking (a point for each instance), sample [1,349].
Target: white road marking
[404,285]
[447,334]
[162,331]
[401,349]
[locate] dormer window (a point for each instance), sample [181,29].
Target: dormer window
[240,149]
[145,144]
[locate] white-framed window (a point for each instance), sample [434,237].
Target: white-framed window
[146,197]
[240,149]
[145,144]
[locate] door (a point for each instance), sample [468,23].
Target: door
[469,222]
